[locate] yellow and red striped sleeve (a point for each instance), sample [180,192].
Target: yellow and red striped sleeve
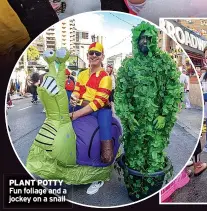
[102,94]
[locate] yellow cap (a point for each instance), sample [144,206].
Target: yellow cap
[96,46]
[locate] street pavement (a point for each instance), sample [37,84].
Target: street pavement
[154,9]
[25,120]
[191,125]
[195,190]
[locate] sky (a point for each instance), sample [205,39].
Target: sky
[115,27]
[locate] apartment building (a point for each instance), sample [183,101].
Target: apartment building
[50,38]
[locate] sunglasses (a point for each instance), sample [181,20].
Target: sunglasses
[97,53]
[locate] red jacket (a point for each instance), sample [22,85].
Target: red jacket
[69,84]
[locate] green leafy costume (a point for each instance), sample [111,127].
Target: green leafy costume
[53,153]
[147,97]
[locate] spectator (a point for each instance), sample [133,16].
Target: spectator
[204,130]
[199,166]
[9,105]
[184,79]
[34,94]
[69,83]
[9,101]
[110,71]
[205,57]
[74,75]
[203,77]
[203,81]
[36,81]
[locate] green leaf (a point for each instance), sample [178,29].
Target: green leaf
[131,177]
[154,155]
[136,95]
[150,54]
[146,188]
[122,80]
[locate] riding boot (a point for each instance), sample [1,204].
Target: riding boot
[107,151]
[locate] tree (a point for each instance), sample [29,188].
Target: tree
[32,53]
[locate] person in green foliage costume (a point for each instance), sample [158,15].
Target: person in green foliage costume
[147,96]
[53,153]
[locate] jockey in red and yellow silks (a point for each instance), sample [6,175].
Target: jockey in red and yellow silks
[92,91]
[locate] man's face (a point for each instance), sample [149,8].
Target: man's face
[206,54]
[143,42]
[95,58]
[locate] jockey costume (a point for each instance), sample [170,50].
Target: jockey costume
[94,90]
[65,149]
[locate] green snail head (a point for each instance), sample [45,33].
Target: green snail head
[49,56]
[62,55]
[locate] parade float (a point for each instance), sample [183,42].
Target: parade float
[64,149]
[147,96]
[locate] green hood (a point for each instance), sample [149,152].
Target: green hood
[150,31]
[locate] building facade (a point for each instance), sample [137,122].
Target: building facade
[82,41]
[193,44]
[39,44]
[61,35]
[116,60]
[191,41]
[50,38]
[72,35]
[199,26]
[167,44]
